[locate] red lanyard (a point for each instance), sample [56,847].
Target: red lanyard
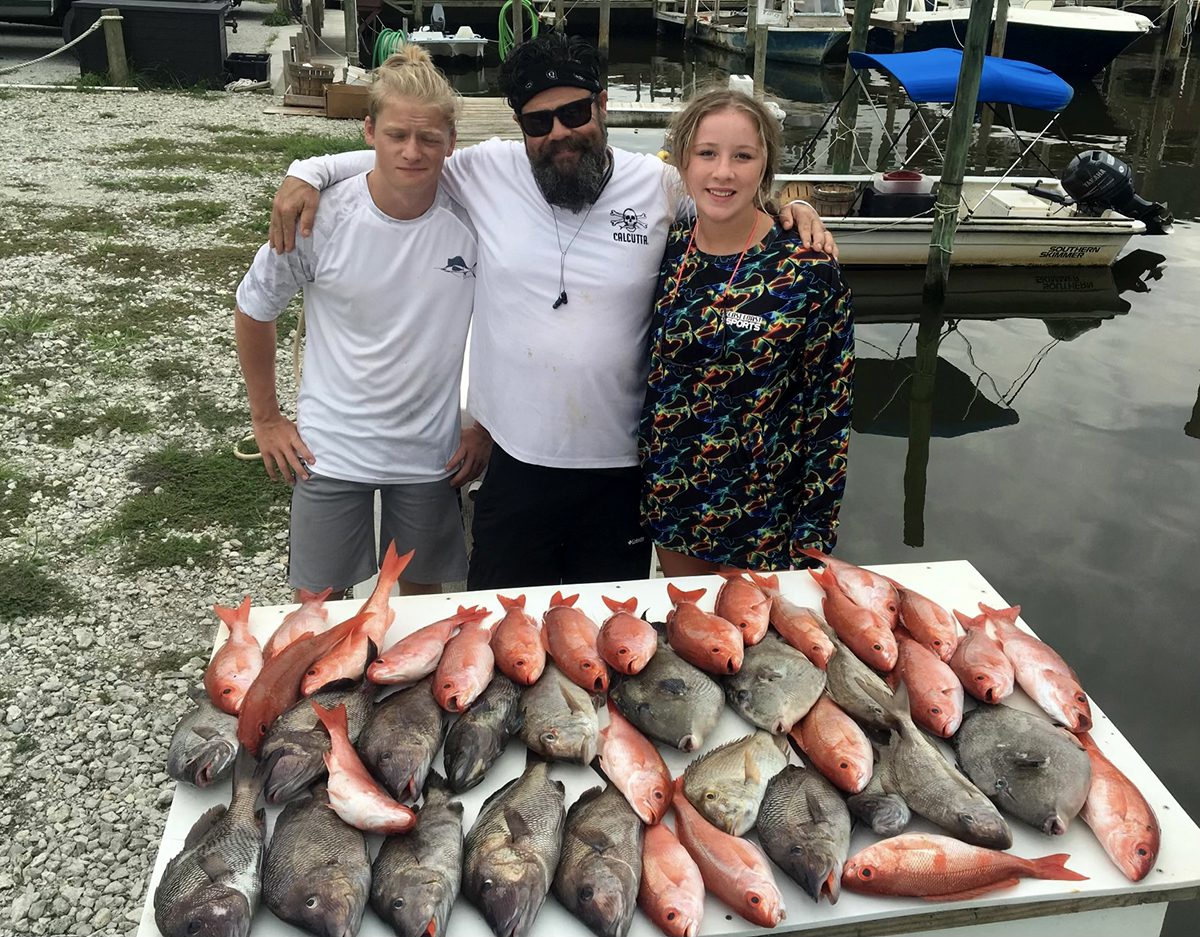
[688,250]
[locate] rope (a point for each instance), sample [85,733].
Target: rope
[387,43]
[504,26]
[63,48]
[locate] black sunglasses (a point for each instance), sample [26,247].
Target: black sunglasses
[572,115]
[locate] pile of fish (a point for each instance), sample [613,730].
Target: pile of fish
[345,731]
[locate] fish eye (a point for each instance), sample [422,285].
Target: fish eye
[658,795]
[865,873]
[754,899]
[549,736]
[385,756]
[716,650]
[878,647]
[1142,851]
[311,902]
[979,677]
[485,887]
[843,765]
[935,710]
[193,926]
[586,665]
[399,902]
[709,795]
[743,695]
[670,915]
[313,672]
[1081,698]
[227,691]
[585,893]
[520,663]
[796,850]
[623,650]
[262,728]
[447,685]
[937,643]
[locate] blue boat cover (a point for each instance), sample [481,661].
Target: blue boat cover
[932,77]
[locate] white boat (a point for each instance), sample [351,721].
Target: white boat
[800,32]
[1083,219]
[465,42]
[1076,42]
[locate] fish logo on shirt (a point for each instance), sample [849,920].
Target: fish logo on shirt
[459,266]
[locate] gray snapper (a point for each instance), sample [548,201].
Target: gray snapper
[401,739]
[416,876]
[804,826]
[211,888]
[601,866]
[1032,769]
[559,718]
[481,734]
[857,688]
[513,849]
[671,701]
[913,767]
[886,814]
[776,685]
[204,745]
[317,871]
[292,754]
[727,784]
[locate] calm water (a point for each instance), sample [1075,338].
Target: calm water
[1064,458]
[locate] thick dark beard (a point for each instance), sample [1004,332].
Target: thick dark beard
[576,189]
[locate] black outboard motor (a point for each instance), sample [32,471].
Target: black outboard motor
[1097,181]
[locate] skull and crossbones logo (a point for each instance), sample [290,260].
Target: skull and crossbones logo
[628,219]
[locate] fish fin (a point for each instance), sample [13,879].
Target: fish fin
[750,768]
[203,824]
[208,733]
[815,554]
[768,584]
[509,604]
[678,596]
[1055,867]
[1009,614]
[332,719]
[614,606]
[518,828]
[673,686]
[974,892]
[572,703]
[1026,761]
[559,599]
[213,865]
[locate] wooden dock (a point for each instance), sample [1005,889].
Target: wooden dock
[484,118]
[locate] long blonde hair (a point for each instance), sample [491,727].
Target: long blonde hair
[686,122]
[410,73]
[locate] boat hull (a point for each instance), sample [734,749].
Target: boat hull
[796,45]
[1073,53]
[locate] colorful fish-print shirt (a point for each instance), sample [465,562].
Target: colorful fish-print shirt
[744,433]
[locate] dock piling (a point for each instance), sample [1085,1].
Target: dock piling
[689,20]
[945,215]
[560,16]
[605,21]
[999,34]
[847,117]
[114,45]
[1179,19]
[518,21]
[751,26]
[760,60]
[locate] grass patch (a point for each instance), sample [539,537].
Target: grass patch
[276,18]
[197,491]
[25,744]
[21,325]
[164,552]
[208,412]
[16,499]
[171,370]
[253,153]
[194,211]
[167,185]
[83,221]
[80,421]
[26,589]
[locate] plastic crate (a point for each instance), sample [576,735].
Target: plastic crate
[255,66]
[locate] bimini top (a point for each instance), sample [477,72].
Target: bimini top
[932,77]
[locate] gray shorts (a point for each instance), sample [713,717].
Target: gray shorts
[332,539]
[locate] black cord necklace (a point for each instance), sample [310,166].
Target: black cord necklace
[562,252]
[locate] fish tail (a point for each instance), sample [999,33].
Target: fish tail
[560,600]
[1054,867]
[248,783]
[815,554]
[391,568]
[969,624]
[629,605]
[678,596]
[317,597]
[334,720]
[235,619]
[468,616]
[766,583]
[509,604]
[1004,614]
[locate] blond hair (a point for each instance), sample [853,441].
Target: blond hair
[686,122]
[410,73]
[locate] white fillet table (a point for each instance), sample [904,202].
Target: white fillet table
[1106,904]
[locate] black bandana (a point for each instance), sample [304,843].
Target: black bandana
[537,79]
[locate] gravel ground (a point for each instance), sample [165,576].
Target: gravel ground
[90,692]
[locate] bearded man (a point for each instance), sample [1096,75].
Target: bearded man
[571,234]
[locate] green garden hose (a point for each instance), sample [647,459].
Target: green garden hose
[505,26]
[388,42]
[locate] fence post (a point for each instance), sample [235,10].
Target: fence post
[760,59]
[114,45]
